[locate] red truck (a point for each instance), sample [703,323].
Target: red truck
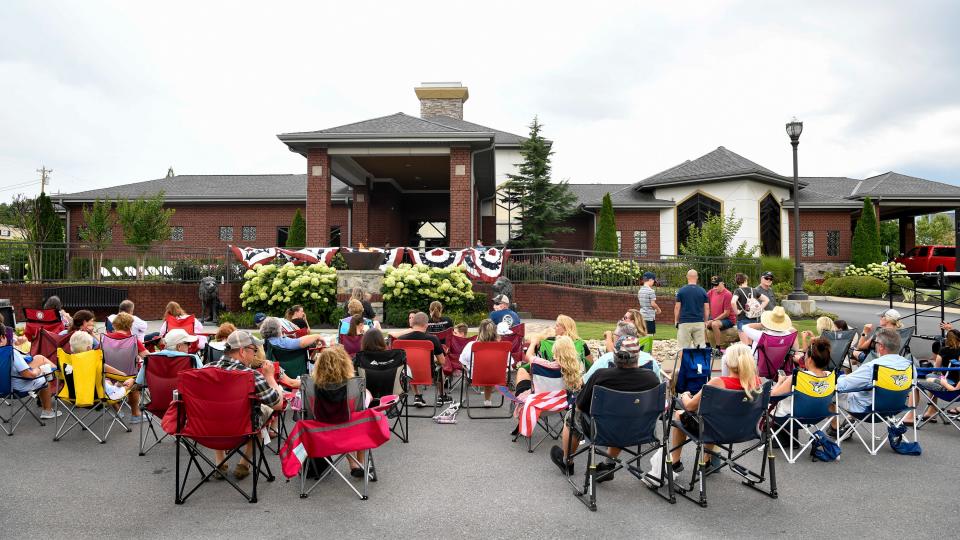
[929,259]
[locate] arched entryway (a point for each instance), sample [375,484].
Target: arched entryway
[770,226]
[694,211]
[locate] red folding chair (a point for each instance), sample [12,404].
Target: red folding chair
[298,333]
[444,336]
[455,346]
[215,409]
[159,381]
[489,365]
[351,344]
[187,324]
[41,319]
[420,365]
[516,341]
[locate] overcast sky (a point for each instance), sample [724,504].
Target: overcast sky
[111,93]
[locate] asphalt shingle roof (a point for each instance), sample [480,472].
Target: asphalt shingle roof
[195,187]
[720,163]
[591,196]
[400,124]
[832,191]
[891,184]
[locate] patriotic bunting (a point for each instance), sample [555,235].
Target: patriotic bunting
[485,264]
[437,257]
[251,257]
[310,255]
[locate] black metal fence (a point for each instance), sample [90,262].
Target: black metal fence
[57,262]
[579,268]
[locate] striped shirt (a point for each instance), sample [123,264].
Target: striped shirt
[647,296]
[265,393]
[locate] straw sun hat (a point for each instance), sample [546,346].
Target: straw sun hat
[776,320]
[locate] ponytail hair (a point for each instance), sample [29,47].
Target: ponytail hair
[741,363]
[436,310]
[356,322]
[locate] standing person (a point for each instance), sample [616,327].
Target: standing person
[648,302]
[766,289]
[748,303]
[139,327]
[438,323]
[364,299]
[418,332]
[722,315]
[690,313]
[502,312]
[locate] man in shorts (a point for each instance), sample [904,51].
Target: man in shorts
[722,315]
[648,302]
[418,332]
[690,313]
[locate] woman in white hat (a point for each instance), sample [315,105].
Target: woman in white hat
[775,322]
[888,319]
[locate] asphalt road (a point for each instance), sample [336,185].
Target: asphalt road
[858,314]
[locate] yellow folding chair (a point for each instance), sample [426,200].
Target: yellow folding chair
[83,397]
[889,403]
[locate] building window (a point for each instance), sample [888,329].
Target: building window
[248,232]
[806,243]
[176,234]
[507,214]
[619,242]
[694,212]
[226,233]
[833,243]
[640,243]
[282,236]
[770,226]
[335,236]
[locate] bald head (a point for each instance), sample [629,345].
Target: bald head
[692,276]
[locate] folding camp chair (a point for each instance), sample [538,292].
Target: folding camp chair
[840,343]
[293,361]
[335,426]
[82,388]
[121,354]
[15,397]
[420,368]
[489,365]
[515,338]
[384,373]
[773,355]
[623,420]
[646,344]
[931,397]
[691,370]
[216,409]
[9,316]
[543,379]
[452,368]
[906,334]
[186,324]
[810,407]
[47,343]
[212,354]
[159,381]
[351,344]
[37,319]
[889,403]
[725,418]
[443,336]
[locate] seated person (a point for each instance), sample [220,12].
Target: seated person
[460,330]
[241,352]
[626,376]
[364,298]
[82,342]
[332,370]
[634,317]
[123,328]
[502,312]
[176,343]
[139,326]
[219,341]
[418,332]
[293,313]
[738,361]
[438,323]
[775,323]
[944,356]
[174,311]
[722,314]
[616,340]
[854,388]
[816,360]
[355,309]
[888,319]
[565,326]
[565,359]
[55,304]
[824,324]
[272,332]
[83,321]
[487,332]
[28,376]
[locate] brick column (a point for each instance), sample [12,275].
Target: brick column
[459,232]
[360,225]
[908,237]
[318,198]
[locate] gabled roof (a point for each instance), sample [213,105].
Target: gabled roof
[719,164]
[402,125]
[895,185]
[591,196]
[826,192]
[214,188]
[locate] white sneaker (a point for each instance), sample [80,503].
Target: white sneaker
[47,415]
[488,403]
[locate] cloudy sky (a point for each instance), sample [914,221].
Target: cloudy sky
[110,93]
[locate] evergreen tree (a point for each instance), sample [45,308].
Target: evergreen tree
[144,222]
[543,204]
[50,229]
[606,238]
[297,235]
[866,238]
[97,230]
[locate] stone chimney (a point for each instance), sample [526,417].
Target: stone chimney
[442,99]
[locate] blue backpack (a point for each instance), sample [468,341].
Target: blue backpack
[823,449]
[693,371]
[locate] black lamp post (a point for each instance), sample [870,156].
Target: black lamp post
[794,128]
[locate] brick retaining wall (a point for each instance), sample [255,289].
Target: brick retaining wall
[547,301]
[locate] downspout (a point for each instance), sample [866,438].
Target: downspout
[349,202]
[473,209]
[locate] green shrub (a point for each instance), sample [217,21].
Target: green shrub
[781,267]
[273,289]
[877,270]
[812,287]
[335,316]
[855,287]
[866,237]
[240,319]
[407,287]
[612,272]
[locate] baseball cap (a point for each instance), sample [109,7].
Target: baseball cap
[501,299]
[767,274]
[648,275]
[258,317]
[629,345]
[239,339]
[890,314]
[176,337]
[716,280]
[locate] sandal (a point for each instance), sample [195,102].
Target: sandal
[953,411]
[222,471]
[241,471]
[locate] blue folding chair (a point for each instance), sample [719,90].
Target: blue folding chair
[623,420]
[810,407]
[726,418]
[950,397]
[14,397]
[691,370]
[889,403]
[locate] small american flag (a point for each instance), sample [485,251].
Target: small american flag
[537,403]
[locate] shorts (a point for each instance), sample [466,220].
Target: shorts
[578,422]
[30,385]
[690,335]
[745,321]
[726,323]
[651,327]
[265,413]
[523,386]
[931,384]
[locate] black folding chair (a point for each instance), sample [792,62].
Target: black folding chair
[840,343]
[726,418]
[385,374]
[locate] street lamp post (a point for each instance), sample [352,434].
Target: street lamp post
[794,128]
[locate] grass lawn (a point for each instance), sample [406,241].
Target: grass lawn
[595,330]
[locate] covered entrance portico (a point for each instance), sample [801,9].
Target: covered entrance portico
[906,211]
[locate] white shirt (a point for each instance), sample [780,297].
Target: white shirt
[139,327]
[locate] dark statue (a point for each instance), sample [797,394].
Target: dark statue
[504,286]
[210,300]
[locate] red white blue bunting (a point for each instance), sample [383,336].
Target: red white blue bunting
[437,257]
[251,257]
[485,264]
[310,255]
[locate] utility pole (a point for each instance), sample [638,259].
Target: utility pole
[44,177]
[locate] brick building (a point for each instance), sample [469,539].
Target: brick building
[432,180]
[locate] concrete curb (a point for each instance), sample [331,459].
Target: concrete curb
[901,305]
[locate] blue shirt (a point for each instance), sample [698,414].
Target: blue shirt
[501,314]
[344,329]
[285,342]
[692,298]
[858,383]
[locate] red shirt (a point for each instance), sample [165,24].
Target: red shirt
[720,301]
[733,383]
[124,335]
